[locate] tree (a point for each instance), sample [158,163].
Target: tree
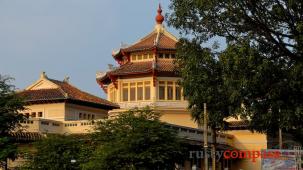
[274,26]
[135,139]
[268,83]
[59,152]
[202,82]
[10,105]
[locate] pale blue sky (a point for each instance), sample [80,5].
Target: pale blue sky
[69,37]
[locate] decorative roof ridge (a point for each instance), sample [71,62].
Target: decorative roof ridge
[172,36]
[69,97]
[43,77]
[142,39]
[60,88]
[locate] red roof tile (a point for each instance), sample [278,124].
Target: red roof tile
[131,68]
[166,66]
[65,92]
[238,124]
[150,41]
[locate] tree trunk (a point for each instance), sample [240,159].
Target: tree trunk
[205,135]
[5,165]
[280,139]
[213,147]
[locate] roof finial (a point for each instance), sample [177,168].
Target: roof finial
[159,17]
[66,79]
[43,75]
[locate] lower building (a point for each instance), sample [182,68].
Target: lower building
[54,106]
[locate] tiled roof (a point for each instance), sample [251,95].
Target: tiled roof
[65,92]
[164,66]
[133,68]
[238,124]
[154,39]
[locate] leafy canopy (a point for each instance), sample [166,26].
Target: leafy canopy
[262,65]
[135,139]
[10,104]
[202,82]
[274,26]
[57,152]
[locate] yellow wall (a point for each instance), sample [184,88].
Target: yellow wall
[178,117]
[72,112]
[61,118]
[246,140]
[54,111]
[173,111]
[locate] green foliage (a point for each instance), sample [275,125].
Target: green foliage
[274,26]
[56,152]
[135,139]
[263,87]
[10,104]
[262,66]
[202,82]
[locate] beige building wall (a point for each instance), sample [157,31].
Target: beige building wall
[178,117]
[61,118]
[72,112]
[53,111]
[246,140]
[173,111]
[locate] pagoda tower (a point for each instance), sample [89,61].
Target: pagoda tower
[145,75]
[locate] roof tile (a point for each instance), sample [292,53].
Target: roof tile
[66,92]
[150,41]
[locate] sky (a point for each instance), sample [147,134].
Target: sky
[72,38]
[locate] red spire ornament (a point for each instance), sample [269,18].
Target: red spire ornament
[159,17]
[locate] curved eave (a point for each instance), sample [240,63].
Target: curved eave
[117,54]
[73,101]
[103,78]
[148,49]
[133,73]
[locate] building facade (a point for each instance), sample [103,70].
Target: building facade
[145,76]
[54,106]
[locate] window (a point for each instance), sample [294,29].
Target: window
[161,90]
[161,55]
[167,56]
[112,94]
[132,91]
[27,115]
[80,116]
[40,114]
[33,114]
[139,91]
[84,116]
[136,91]
[125,92]
[134,57]
[170,90]
[145,56]
[178,92]
[147,90]
[88,116]
[93,117]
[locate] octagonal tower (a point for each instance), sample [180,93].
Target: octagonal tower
[145,75]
